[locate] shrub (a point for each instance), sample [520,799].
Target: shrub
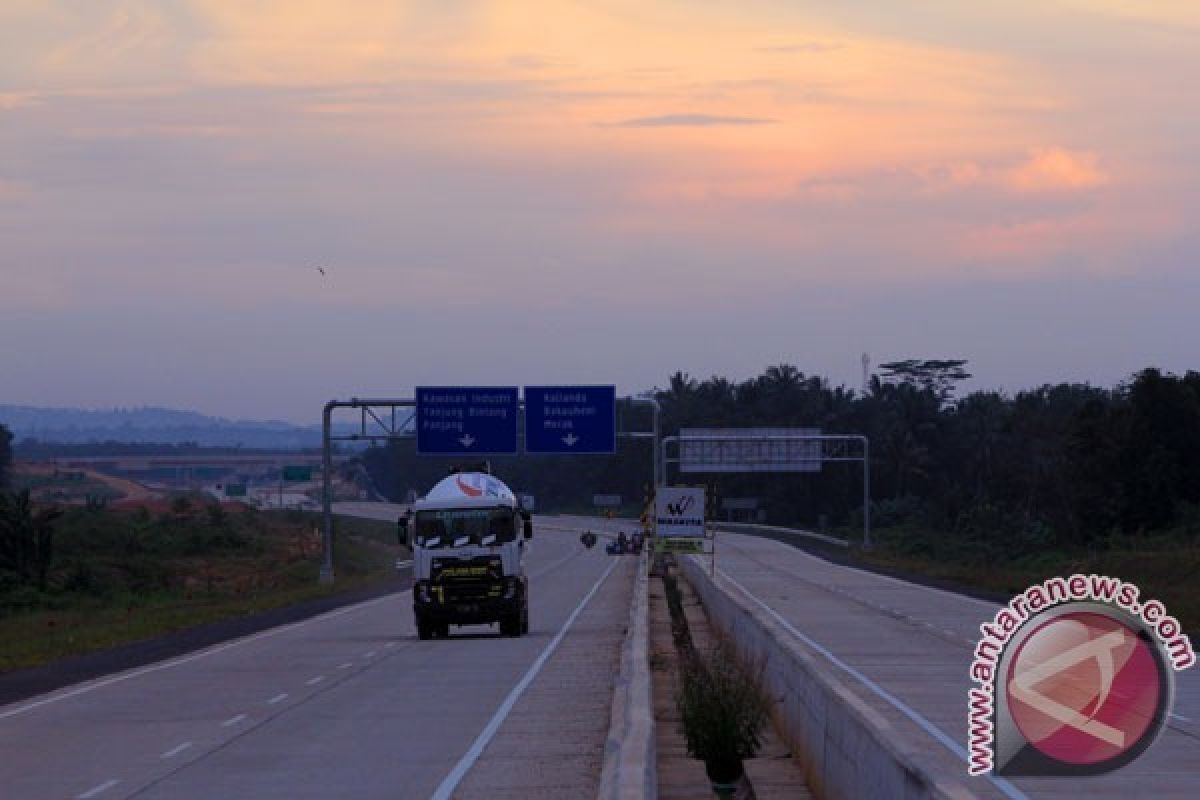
[722,712]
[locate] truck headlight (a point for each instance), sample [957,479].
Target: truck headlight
[423,591]
[510,588]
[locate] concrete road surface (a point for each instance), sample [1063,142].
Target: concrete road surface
[350,704]
[916,644]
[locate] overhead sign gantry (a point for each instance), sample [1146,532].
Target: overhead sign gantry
[769,450]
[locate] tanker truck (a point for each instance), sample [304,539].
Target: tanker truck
[469,536]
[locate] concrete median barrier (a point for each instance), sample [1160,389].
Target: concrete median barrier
[629,755]
[848,749]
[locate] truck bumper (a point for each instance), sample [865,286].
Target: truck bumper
[467,610]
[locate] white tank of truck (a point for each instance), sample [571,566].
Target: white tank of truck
[469,536]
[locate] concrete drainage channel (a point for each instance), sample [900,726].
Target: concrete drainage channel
[645,755]
[849,750]
[680,631]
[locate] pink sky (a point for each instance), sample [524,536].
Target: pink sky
[541,192]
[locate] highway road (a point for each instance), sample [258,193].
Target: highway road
[351,704]
[914,645]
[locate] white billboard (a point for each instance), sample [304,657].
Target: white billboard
[679,512]
[749,450]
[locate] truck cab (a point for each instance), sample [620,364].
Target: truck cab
[469,536]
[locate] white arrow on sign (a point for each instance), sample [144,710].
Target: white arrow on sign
[467,440]
[570,439]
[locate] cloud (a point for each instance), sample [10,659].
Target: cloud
[801,47]
[690,121]
[1044,170]
[1056,169]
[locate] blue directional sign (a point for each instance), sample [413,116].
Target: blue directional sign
[570,419]
[466,420]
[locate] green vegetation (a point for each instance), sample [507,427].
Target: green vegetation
[26,542]
[722,710]
[5,456]
[65,487]
[1165,566]
[87,578]
[722,706]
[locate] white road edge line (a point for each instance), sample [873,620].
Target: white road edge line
[345,665]
[279,698]
[314,681]
[193,657]
[1179,717]
[95,790]
[451,781]
[233,721]
[370,654]
[1002,784]
[174,751]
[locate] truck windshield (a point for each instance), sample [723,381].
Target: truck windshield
[464,526]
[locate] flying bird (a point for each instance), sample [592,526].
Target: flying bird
[321,270]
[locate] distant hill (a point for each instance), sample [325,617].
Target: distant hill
[154,426]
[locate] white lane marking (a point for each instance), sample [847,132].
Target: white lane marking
[195,656]
[314,681]
[370,654]
[1000,783]
[174,751]
[95,790]
[389,645]
[1179,717]
[553,566]
[346,665]
[233,721]
[279,698]
[451,781]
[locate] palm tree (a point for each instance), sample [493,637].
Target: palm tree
[678,400]
[783,377]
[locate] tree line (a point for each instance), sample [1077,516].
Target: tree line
[1063,465]
[5,456]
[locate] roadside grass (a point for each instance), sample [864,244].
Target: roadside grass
[1165,567]
[375,530]
[123,578]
